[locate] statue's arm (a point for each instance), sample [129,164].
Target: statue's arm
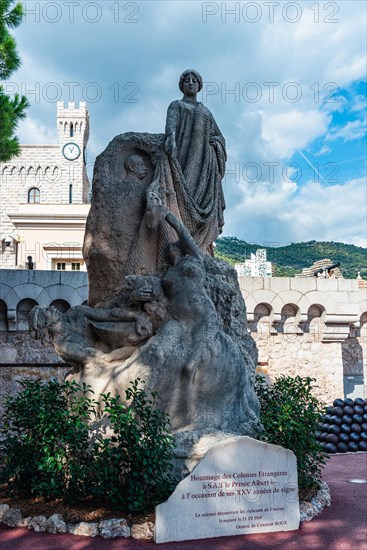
[120,314]
[104,314]
[187,242]
[171,125]
[218,142]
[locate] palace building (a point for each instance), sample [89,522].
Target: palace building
[44,199]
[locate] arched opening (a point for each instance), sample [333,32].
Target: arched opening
[34,195]
[71,133]
[363,324]
[289,319]
[61,305]
[315,321]
[24,308]
[263,319]
[3,316]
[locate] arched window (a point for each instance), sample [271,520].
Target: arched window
[3,316]
[34,195]
[71,129]
[61,305]
[24,307]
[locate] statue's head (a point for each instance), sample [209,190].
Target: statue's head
[196,77]
[175,253]
[134,164]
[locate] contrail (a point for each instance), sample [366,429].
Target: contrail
[312,166]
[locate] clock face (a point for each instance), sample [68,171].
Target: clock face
[71,151]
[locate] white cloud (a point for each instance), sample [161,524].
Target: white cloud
[325,150]
[295,129]
[316,212]
[34,131]
[351,131]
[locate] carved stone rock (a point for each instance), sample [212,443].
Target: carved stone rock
[161,308]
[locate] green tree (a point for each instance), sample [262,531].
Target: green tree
[12,110]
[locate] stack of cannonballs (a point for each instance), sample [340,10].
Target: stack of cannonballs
[344,426]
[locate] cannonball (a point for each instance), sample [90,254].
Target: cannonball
[357,418]
[362,436]
[348,410]
[364,416]
[353,437]
[323,436]
[346,419]
[338,403]
[353,447]
[364,426]
[332,438]
[342,447]
[344,438]
[349,402]
[329,410]
[336,420]
[345,428]
[338,411]
[331,448]
[334,429]
[320,425]
[323,444]
[356,428]
[365,408]
[362,445]
[327,418]
[358,410]
[325,427]
[359,401]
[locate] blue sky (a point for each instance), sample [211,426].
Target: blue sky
[286,82]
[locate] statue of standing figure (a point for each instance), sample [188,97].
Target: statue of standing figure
[197,155]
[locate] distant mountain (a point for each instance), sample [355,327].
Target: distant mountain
[289,260]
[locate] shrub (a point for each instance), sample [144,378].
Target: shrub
[46,439]
[47,449]
[135,465]
[290,414]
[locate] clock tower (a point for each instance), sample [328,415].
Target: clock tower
[73,127]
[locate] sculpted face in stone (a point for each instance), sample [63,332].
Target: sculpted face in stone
[135,165]
[190,85]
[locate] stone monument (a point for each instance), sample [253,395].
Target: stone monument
[241,486]
[160,306]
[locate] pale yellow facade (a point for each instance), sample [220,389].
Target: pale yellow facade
[44,199]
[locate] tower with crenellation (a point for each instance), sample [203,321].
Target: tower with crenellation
[44,195]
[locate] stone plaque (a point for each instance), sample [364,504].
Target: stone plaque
[241,486]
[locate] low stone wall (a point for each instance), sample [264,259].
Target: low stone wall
[306,326]
[295,355]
